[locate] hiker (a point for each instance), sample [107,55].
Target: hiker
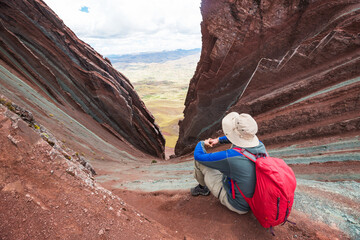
[214,171]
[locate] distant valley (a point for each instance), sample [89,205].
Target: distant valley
[153,57]
[161,79]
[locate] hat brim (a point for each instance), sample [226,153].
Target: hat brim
[228,124]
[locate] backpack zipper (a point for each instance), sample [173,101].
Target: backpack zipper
[278,206]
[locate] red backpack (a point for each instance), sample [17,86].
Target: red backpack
[274,189]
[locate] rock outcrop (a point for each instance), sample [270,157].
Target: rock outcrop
[293,65]
[37,48]
[45,194]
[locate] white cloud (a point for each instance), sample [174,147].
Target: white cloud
[123,26]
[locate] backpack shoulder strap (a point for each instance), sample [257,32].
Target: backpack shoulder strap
[246,153]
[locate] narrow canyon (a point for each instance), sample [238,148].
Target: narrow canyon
[83,158]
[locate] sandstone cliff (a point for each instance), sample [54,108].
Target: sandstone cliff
[292,64]
[45,56]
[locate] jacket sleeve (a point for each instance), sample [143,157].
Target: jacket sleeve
[224,140]
[217,160]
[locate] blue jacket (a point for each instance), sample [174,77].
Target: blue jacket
[234,166]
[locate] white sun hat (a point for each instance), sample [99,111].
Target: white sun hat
[240,129]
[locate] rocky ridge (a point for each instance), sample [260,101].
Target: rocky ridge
[44,54]
[45,134]
[293,65]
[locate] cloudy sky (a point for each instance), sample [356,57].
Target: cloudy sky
[131,26]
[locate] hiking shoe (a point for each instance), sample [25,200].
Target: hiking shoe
[200,190]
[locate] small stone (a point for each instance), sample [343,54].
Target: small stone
[71,171]
[26,115]
[101,232]
[28,198]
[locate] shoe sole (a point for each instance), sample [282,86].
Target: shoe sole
[197,194]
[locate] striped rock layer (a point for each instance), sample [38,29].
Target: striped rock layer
[38,49]
[293,65]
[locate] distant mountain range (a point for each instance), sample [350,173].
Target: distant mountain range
[152,57]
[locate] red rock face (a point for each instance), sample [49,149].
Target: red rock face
[39,49]
[293,65]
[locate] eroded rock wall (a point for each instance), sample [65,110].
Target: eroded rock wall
[293,65]
[38,48]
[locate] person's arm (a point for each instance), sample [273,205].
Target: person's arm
[216,160]
[214,141]
[224,140]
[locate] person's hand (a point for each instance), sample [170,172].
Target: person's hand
[210,142]
[213,141]
[207,142]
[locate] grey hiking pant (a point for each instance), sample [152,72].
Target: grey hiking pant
[212,178]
